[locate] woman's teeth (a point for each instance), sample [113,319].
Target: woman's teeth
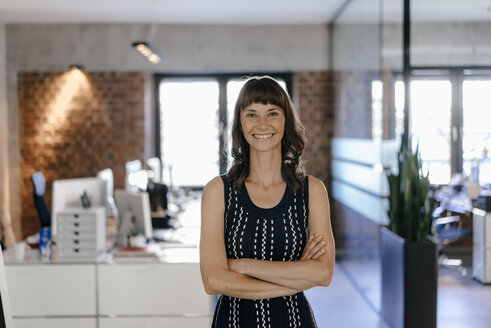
[263,136]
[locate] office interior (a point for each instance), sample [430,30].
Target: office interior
[76,98]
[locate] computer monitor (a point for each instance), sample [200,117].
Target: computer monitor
[67,194]
[5,310]
[134,214]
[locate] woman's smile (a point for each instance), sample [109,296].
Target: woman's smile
[262,136]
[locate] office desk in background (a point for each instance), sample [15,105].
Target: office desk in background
[108,293]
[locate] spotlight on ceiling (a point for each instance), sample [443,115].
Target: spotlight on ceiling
[76,70]
[76,66]
[147,51]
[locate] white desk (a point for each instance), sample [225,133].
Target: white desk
[164,292]
[481,253]
[131,292]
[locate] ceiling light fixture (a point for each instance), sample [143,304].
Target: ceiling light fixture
[147,51]
[76,70]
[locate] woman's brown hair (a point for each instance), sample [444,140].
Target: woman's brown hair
[266,90]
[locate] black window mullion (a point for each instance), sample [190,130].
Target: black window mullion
[156,110]
[456,119]
[222,124]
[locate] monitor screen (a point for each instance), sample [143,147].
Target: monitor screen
[67,194]
[134,214]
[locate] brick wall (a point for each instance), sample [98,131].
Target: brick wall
[351,100]
[74,126]
[312,102]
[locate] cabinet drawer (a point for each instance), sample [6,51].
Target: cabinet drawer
[82,217]
[56,323]
[68,231]
[52,289]
[76,252]
[76,241]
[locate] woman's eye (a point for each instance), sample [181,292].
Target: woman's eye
[250,115]
[273,114]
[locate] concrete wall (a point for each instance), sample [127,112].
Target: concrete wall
[356,46]
[186,48]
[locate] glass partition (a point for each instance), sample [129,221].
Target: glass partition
[359,96]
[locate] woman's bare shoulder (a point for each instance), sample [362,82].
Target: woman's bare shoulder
[316,185]
[214,184]
[213,189]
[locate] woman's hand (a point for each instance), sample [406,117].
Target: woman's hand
[314,248]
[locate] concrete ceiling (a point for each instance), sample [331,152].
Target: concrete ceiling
[169,11]
[234,11]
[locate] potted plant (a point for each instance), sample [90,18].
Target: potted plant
[409,260]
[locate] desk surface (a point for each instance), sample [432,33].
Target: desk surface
[181,247]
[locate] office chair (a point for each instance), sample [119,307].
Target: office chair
[39,184]
[447,229]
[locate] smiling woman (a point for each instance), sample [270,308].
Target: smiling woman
[265,231]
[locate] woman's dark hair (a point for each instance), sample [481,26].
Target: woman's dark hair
[265,90]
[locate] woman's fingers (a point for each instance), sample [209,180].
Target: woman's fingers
[311,244]
[308,247]
[313,248]
[318,250]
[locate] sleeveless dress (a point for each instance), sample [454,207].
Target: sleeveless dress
[274,234]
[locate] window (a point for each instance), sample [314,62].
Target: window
[195,114]
[449,115]
[431,102]
[189,130]
[476,141]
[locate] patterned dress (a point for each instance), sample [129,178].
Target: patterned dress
[274,234]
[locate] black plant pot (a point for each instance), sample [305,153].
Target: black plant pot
[409,281]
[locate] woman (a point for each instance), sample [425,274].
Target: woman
[265,232]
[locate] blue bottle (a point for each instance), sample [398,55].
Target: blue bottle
[45,244]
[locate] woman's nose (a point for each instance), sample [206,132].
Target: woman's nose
[263,122]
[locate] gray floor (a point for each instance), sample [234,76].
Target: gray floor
[462,302]
[341,305]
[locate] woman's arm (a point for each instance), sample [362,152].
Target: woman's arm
[215,272]
[304,274]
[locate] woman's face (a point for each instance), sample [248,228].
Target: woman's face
[263,126]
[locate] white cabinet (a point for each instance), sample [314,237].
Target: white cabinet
[81,233]
[152,289]
[155,322]
[481,253]
[107,294]
[52,289]
[55,323]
